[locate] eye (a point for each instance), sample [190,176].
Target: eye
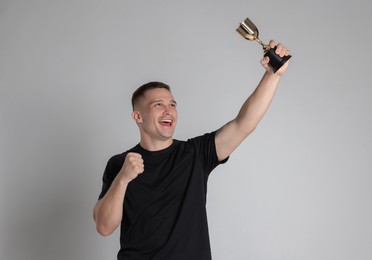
[158,104]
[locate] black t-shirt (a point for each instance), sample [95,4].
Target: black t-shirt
[164,215]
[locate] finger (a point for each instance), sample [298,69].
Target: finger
[272,44]
[279,49]
[283,52]
[265,64]
[134,158]
[265,60]
[138,164]
[141,163]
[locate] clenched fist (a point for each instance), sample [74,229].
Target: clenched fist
[132,167]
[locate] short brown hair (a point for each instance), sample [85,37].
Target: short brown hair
[145,87]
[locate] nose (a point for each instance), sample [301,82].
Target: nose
[169,110]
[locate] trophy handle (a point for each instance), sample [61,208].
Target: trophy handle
[276,62]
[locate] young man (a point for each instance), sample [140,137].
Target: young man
[156,191]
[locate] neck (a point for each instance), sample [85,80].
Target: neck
[155,145]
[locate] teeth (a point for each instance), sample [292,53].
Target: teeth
[167,121]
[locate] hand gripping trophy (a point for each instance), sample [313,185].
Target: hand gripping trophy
[249,31]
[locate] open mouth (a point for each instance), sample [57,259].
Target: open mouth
[166,122]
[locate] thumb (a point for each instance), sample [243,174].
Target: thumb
[265,63]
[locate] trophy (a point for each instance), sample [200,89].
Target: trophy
[249,31]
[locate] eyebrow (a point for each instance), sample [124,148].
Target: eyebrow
[161,100]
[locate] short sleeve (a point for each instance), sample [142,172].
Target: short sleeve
[206,147]
[112,169]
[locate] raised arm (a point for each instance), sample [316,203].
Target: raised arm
[234,132]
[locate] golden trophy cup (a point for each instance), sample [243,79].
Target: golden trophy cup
[249,31]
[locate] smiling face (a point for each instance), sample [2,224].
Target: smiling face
[156,116]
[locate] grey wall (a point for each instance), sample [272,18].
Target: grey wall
[298,188]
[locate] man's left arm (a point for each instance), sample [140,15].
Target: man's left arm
[229,137]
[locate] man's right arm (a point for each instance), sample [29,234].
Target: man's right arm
[108,211]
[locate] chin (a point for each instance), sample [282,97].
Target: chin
[167,136]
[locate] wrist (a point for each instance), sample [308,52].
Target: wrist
[122,180]
[270,75]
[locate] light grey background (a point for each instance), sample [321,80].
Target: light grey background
[298,188]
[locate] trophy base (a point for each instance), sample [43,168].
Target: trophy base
[276,62]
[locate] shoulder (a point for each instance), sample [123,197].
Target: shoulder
[203,139]
[202,144]
[118,159]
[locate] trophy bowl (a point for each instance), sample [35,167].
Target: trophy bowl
[248,30]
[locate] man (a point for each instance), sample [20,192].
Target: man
[156,191]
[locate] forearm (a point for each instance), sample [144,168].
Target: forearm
[257,104]
[108,211]
[233,133]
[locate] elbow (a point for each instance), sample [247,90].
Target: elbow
[251,130]
[245,128]
[245,132]
[251,127]
[104,230]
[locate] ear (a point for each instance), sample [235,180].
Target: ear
[137,116]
